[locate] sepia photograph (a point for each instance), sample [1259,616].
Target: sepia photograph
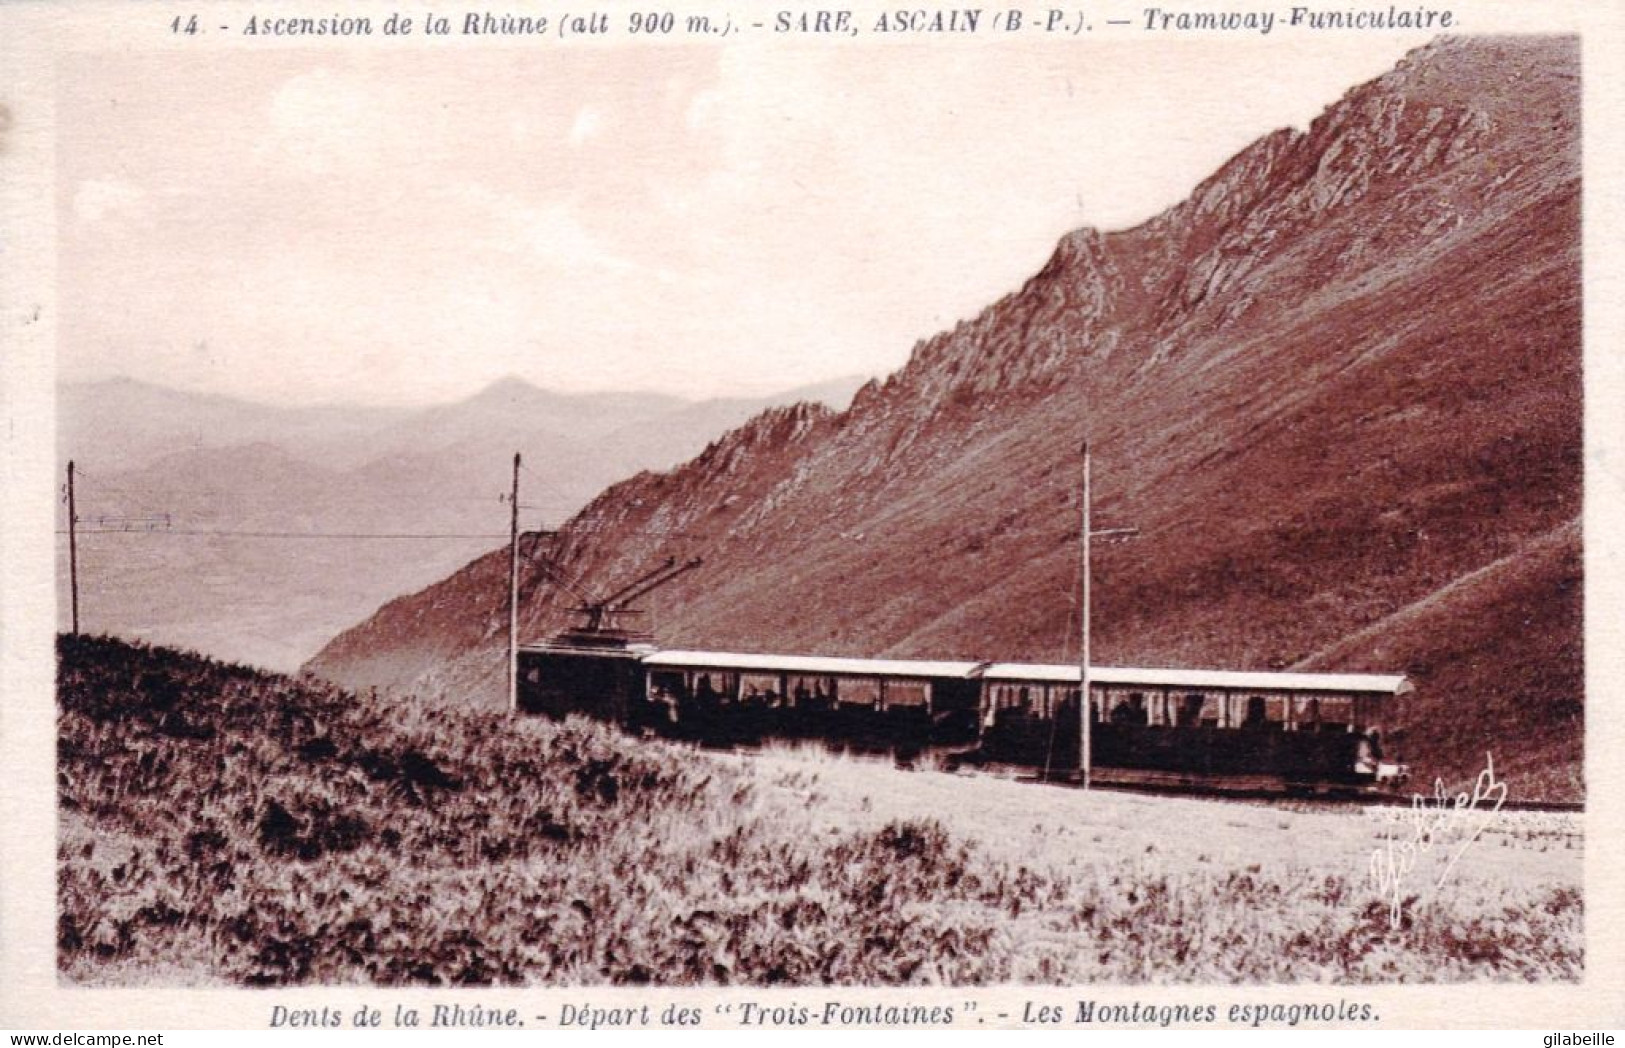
[743,499]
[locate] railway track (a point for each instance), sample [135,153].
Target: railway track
[1256,789]
[1251,789]
[1395,800]
[1261,790]
[1327,799]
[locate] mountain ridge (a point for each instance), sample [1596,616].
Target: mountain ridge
[269,526]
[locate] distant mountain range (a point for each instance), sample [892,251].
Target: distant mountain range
[1338,391]
[200,471]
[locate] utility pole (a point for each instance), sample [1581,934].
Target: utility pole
[1085,701]
[1086,733]
[73,550]
[513,592]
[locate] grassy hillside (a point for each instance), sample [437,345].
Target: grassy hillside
[222,825]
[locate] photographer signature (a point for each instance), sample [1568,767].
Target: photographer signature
[1435,821]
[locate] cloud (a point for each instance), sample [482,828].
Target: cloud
[551,233]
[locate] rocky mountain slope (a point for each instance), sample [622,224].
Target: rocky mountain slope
[1338,390]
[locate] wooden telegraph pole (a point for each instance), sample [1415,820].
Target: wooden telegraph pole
[73,550]
[1085,701]
[1086,732]
[513,591]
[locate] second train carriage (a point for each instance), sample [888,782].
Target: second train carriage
[1195,727]
[1157,726]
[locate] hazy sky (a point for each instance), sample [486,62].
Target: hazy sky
[354,225]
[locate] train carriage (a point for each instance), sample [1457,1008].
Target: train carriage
[866,703]
[1188,727]
[603,681]
[1213,728]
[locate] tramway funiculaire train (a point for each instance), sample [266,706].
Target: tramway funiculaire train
[1159,727]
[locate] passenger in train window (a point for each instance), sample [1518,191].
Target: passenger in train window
[1131,711]
[1367,755]
[1190,711]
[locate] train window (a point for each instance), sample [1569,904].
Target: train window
[714,686]
[1128,709]
[667,684]
[1012,697]
[1259,712]
[1336,714]
[1059,701]
[859,691]
[813,692]
[759,688]
[1189,714]
[907,693]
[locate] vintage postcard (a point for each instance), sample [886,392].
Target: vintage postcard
[1049,515]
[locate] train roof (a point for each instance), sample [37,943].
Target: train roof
[817,665]
[1064,673]
[1017,672]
